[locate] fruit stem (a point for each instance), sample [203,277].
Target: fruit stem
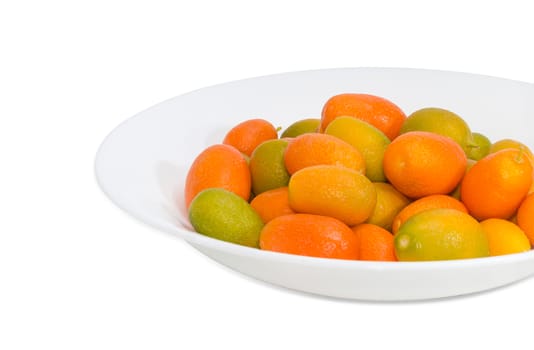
[520,158]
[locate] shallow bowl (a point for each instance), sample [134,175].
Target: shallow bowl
[141,166]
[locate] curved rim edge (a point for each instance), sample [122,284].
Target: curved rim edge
[198,239]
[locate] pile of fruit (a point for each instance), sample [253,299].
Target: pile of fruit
[366,182]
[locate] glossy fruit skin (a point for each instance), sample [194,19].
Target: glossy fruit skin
[389,202]
[247,135]
[504,237]
[267,167]
[374,243]
[321,149]
[436,201]
[378,111]
[309,235]
[496,185]
[335,191]
[370,141]
[312,185]
[223,215]
[302,126]
[481,147]
[512,144]
[442,122]
[272,203]
[220,166]
[440,234]
[420,163]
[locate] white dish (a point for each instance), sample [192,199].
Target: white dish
[141,166]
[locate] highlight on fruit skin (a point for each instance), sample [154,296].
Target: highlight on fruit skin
[440,234]
[443,122]
[367,139]
[220,166]
[321,149]
[505,237]
[421,163]
[334,191]
[310,235]
[221,214]
[272,203]
[377,111]
[496,185]
[343,187]
[437,201]
[267,168]
[247,135]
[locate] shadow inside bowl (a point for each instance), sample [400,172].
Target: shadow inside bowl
[171,179]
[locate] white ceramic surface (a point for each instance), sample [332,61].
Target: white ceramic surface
[141,166]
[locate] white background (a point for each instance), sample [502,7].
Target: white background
[78,273]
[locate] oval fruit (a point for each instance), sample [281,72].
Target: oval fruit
[272,203]
[321,149]
[377,111]
[389,202]
[495,185]
[442,122]
[220,166]
[370,141]
[247,135]
[481,146]
[374,243]
[510,143]
[440,234]
[310,235]
[420,163]
[303,126]
[223,215]
[436,201]
[267,168]
[505,237]
[334,191]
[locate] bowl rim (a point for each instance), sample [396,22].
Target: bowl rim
[197,239]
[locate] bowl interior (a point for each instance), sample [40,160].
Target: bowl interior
[142,164]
